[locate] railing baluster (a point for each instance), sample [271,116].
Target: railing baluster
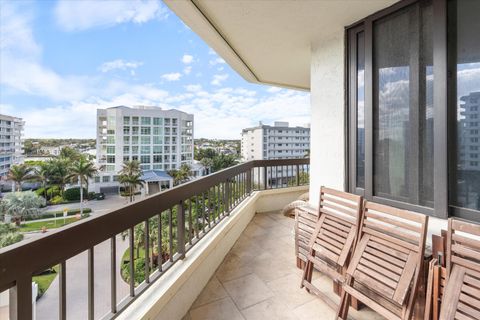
[227,197]
[181,230]
[160,239]
[91,285]
[21,299]
[131,240]
[190,223]
[113,275]
[62,294]
[203,212]
[265,178]
[147,251]
[298,175]
[170,234]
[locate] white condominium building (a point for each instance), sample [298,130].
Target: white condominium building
[11,144]
[279,141]
[159,139]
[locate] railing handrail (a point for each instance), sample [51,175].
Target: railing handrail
[29,257]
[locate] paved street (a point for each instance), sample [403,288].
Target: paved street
[47,306]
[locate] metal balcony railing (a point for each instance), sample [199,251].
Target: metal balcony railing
[181,216]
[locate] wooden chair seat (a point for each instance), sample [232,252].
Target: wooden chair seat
[384,270]
[334,237]
[461,295]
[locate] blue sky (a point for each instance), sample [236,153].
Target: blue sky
[61,60]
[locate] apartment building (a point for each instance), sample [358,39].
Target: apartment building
[265,142]
[159,139]
[280,141]
[11,144]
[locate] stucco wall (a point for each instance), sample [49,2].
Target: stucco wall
[327,155]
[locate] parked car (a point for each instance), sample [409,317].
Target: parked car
[100,196]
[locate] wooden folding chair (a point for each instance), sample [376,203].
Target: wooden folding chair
[384,270]
[437,274]
[306,218]
[461,297]
[334,237]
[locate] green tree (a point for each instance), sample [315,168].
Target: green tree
[82,170]
[59,171]
[42,175]
[9,235]
[69,153]
[131,177]
[223,161]
[181,175]
[22,204]
[20,173]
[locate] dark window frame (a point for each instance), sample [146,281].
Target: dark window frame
[444,120]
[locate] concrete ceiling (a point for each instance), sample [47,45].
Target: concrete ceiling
[268,41]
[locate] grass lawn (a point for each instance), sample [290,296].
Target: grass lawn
[50,224]
[44,280]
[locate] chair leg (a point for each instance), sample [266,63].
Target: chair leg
[342,311]
[307,273]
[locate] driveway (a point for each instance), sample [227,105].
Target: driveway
[98,206]
[77,288]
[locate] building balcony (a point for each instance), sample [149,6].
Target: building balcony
[199,223]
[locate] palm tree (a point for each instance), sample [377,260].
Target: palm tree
[20,173]
[131,177]
[82,169]
[42,174]
[59,171]
[131,181]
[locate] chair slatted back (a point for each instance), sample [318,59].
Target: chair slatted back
[461,298]
[387,259]
[337,227]
[305,221]
[333,239]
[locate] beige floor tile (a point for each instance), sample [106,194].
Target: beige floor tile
[289,291]
[213,291]
[247,291]
[269,267]
[264,220]
[223,309]
[270,309]
[254,230]
[233,267]
[314,310]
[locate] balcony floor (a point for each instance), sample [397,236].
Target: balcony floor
[258,279]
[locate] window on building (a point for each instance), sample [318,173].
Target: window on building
[157,149]
[97,179]
[126,158]
[110,159]
[393,127]
[134,149]
[157,131]
[157,159]
[126,120]
[146,120]
[126,130]
[157,140]
[134,130]
[126,140]
[110,139]
[106,179]
[144,159]
[135,121]
[126,149]
[145,149]
[110,149]
[145,140]
[135,158]
[134,139]
[145,131]
[157,121]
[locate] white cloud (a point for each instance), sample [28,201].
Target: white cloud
[187,59]
[218,79]
[193,87]
[274,89]
[87,14]
[119,64]
[216,61]
[174,76]
[187,69]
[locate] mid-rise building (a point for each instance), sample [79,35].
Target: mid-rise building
[11,142]
[160,140]
[279,141]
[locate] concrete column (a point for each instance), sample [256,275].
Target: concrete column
[327,147]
